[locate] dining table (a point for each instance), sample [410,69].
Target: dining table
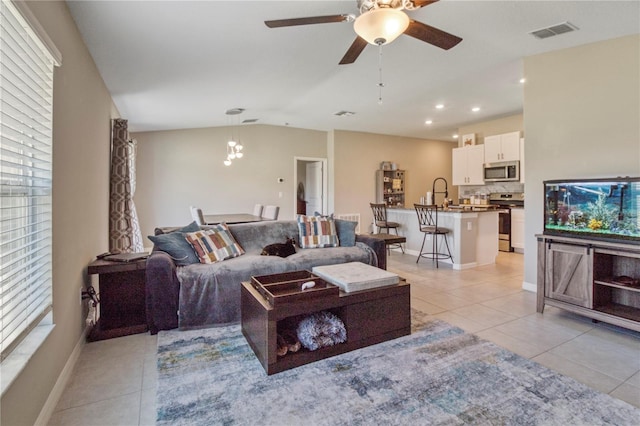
[231,218]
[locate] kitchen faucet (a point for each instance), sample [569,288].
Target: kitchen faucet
[445,192]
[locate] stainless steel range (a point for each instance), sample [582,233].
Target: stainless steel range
[505,200]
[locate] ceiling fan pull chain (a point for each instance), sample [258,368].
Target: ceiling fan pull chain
[380,83]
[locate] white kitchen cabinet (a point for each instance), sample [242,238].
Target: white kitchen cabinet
[468,165]
[505,147]
[517,228]
[521,160]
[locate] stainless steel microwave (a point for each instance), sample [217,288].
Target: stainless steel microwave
[503,171]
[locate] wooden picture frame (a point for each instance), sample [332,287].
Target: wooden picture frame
[469,139]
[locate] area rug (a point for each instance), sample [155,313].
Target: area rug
[438,375]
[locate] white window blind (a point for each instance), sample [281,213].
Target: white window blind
[26,108]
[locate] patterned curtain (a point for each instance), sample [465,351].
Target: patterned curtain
[124,229]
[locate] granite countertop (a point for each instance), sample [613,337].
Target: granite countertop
[457,208]
[472,207]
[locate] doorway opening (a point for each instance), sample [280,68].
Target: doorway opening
[310,185]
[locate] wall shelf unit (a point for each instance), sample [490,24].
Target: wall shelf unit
[390,187]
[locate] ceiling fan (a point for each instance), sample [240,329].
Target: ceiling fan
[380,22]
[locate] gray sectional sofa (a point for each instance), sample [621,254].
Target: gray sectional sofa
[201,295]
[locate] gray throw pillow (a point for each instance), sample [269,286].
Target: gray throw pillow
[192,227]
[346,232]
[175,244]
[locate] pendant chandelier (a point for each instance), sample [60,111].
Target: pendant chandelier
[234,147]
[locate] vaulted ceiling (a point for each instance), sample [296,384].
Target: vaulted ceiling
[182,64]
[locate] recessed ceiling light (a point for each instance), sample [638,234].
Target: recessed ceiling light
[428,122]
[439,106]
[523,80]
[455,136]
[475,109]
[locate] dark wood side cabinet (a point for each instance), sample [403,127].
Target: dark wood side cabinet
[122,298]
[589,277]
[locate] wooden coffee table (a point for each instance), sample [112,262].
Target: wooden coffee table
[370,317]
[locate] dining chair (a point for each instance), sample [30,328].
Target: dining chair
[271,212]
[197,215]
[381,222]
[428,223]
[257,210]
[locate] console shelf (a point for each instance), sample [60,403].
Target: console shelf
[585,276]
[611,283]
[622,311]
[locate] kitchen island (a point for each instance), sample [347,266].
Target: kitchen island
[473,234]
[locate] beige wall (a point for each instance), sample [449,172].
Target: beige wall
[513,123]
[582,120]
[357,156]
[179,168]
[176,169]
[81,112]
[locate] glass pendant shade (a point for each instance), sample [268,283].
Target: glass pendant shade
[381,26]
[234,148]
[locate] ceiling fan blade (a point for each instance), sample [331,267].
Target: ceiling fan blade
[306,21]
[431,35]
[354,51]
[422,3]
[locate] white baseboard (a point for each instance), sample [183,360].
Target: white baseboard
[64,377]
[463,266]
[455,266]
[529,287]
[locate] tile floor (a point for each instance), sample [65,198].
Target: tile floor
[114,381]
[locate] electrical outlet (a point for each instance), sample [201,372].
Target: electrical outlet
[469,226]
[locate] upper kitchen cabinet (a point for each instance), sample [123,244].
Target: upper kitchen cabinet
[468,165]
[505,147]
[521,160]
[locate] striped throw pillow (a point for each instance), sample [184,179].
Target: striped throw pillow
[317,232]
[215,244]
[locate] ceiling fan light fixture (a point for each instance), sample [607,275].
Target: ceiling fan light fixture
[381,26]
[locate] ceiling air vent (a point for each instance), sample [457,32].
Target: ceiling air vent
[554,30]
[234,111]
[250,120]
[344,113]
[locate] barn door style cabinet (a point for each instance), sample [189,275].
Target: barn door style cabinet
[597,279]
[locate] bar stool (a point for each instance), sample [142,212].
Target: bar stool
[381,222]
[428,222]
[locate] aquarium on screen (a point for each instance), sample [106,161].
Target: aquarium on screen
[605,209]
